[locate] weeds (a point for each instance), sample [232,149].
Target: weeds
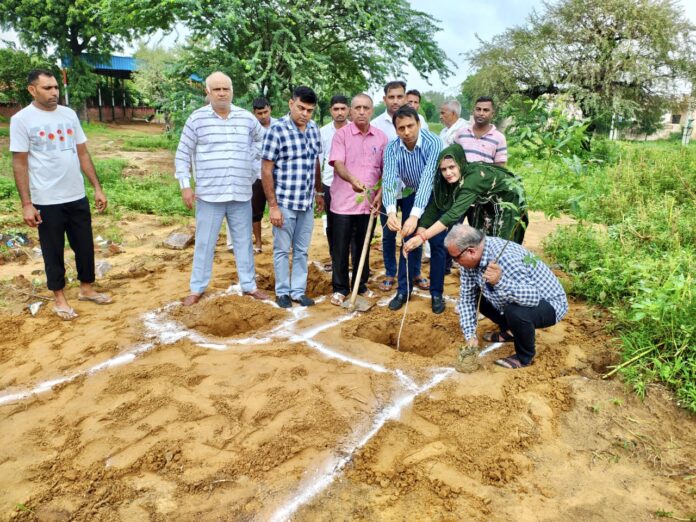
[639,261]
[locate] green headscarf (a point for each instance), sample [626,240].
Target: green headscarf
[444,192]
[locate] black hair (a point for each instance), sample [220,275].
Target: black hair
[415,92]
[405,111]
[394,85]
[35,73]
[338,98]
[260,103]
[304,94]
[485,99]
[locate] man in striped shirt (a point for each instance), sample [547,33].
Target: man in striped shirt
[483,142]
[290,173]
[220,142]
[520,293]
[395,97]
[410,160]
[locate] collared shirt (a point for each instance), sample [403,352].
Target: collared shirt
[257,162]
[223,152]
[327,172]
[294,154]
[415,169]
[384,123]
[525,280]
[362,154]
[447,134]
[489,148]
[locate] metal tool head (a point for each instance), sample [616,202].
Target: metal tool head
[361,304]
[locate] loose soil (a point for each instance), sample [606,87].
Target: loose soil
[233,409]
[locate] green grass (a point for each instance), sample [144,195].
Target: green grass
[154,194]
[633,252]
[4,132]
[162,141]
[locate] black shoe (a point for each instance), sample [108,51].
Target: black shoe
[438,304]
[397,302]
[304,300]
[284,301]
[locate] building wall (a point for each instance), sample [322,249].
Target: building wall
[7,111]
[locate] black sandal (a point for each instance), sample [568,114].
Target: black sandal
[511,363]
[498,337]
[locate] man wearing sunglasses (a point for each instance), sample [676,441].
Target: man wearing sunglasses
[520,293]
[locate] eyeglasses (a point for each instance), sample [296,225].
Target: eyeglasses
[462,252]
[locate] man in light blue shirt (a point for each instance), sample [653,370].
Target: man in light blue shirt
[410,161]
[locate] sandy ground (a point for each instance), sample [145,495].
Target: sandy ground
[237,410]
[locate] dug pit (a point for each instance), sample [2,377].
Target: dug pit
[424,333]
[228,316]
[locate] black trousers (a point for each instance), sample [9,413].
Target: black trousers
[258,201]
[349,234]
[522,321]
[329,218]
[74,220]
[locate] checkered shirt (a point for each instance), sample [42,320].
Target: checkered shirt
[295,154]
[521,282]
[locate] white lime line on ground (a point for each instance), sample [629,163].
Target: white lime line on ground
[327,473]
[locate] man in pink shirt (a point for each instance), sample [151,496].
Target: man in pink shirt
[356,156]
[483,142]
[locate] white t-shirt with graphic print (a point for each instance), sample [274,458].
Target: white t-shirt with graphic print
[51,139]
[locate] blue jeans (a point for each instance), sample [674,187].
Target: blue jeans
[295,235]
[389,243]
[209,218]
[414,258]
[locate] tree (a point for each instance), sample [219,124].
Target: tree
[611,56]
[14,68]
[71,27]
[268,47]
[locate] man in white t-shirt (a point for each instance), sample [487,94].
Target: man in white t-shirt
[338,108]
[48,152]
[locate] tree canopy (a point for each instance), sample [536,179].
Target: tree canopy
[611,56]
[334,46]
[70,27]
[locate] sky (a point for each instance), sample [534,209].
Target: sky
[461,22]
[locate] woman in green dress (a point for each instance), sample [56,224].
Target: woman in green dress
[493,196]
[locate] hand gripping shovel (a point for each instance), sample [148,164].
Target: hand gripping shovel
[356,302]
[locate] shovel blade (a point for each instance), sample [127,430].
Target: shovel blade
[361,304]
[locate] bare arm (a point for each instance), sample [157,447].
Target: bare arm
[20,166]
[318,186]
[343,173]
[274,213]
[90,172]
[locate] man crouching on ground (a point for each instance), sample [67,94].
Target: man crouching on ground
[520,293]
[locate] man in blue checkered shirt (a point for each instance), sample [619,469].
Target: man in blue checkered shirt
[290,172]
[520,293]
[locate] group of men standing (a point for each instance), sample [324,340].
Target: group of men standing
[353,167]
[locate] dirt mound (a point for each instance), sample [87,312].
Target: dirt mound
[318,281]
[424,333]
[228,316]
